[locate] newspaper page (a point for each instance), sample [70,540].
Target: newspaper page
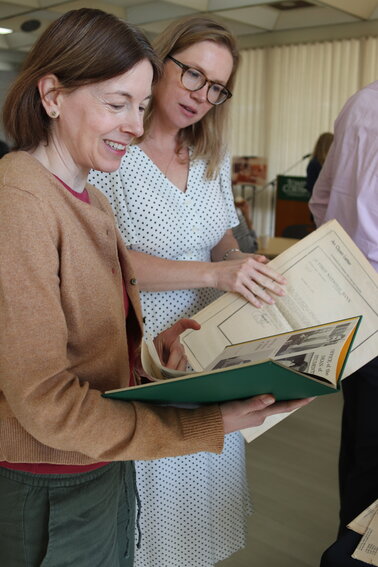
[152,366]
[366,524]
[360,524]
[328,279]
[367,549]
[314,351]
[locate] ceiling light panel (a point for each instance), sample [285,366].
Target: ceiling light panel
[260,16]
[284,5]
[216,5]
[155,11]
[200,5]
[236,27]
[363,9]
[9,10]
[23,40]
[155,28]
[312,17]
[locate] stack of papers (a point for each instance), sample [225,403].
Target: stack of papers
[366,524]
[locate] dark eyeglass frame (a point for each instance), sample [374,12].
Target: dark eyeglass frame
[185,68]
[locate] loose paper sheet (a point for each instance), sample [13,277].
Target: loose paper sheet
[367,549]
[360,524]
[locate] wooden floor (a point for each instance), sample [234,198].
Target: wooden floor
[292,470]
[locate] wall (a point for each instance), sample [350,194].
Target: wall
[286,96]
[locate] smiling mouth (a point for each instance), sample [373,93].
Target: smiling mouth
[116,146]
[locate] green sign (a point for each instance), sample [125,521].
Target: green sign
[292,188]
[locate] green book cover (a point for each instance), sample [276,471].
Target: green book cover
[233,383]
[257,377]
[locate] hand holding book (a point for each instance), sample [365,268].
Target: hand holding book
[166,349]
[242,414]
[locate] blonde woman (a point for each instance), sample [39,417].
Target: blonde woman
[173,202]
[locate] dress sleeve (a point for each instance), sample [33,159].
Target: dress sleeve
[226,188]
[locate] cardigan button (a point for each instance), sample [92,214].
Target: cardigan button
[133,281]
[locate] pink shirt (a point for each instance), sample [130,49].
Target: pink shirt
[347,187]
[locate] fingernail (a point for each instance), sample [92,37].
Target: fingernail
[267,400]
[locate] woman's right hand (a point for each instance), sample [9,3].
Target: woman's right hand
[252,412]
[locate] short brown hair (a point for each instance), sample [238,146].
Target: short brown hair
[206,137]
[81,47]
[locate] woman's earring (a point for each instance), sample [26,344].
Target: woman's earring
[54,114]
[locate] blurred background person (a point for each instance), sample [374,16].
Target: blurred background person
[317,160]
[173,202]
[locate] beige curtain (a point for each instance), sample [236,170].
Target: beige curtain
[285,97]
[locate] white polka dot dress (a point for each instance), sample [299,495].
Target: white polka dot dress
[193,507]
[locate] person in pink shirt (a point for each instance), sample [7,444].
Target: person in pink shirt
[347,190]
[347,186]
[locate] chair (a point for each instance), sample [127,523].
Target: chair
[297,230]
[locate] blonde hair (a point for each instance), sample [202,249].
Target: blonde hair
[206,137]
[322,146]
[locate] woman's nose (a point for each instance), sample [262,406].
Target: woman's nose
[201,94]
[134,125]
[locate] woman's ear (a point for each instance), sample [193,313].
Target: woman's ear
[49,91]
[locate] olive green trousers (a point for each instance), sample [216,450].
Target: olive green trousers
[68,520]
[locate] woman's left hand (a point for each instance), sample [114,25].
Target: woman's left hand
[167,343]
[249,275]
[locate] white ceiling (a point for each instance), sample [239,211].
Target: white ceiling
[247,19]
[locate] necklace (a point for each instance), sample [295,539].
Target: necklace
[169,163]
[158,155]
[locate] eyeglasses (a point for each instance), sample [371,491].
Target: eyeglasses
[193,80]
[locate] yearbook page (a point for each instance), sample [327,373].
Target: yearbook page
[328,279]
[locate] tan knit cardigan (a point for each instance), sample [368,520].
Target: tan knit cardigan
[62,333]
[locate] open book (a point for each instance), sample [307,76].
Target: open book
[329,279]
[293,365]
